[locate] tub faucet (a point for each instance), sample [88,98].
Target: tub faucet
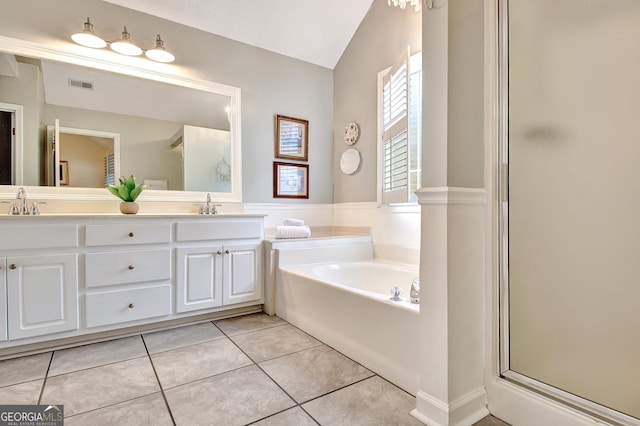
[396,293]
[415,291]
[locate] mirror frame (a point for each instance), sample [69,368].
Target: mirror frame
[81,58]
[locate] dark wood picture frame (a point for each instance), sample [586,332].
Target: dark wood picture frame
[290,180]
[292,138]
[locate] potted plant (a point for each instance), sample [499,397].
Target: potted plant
[127,191]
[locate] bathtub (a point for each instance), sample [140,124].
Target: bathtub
[346,305]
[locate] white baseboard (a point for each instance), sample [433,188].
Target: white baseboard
[464,411]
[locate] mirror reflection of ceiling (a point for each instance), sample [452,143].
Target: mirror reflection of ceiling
[120,94]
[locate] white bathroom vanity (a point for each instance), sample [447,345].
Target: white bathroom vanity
[70,278]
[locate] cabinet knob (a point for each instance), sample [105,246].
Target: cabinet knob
[13,266]
[131,267]
[219,251]
[131,234]
[131,305]
[226,251]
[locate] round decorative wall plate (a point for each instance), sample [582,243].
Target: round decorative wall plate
[350,161]
[351,133]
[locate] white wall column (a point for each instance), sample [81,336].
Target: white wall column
[453,205]
[451,308]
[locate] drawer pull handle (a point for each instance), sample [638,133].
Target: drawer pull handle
[226,251]
[131,267]
[219,252]
[131,234]
[13,266]
[131,305]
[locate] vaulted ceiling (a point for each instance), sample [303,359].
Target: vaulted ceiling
[316,31]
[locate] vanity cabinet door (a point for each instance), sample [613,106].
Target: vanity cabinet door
[199,278]
[42,294]
[3,299]
[242,273]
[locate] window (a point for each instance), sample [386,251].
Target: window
[400,131]
[109,170]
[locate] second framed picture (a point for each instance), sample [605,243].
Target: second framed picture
[292,138]
[290,180]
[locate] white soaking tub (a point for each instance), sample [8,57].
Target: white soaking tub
[347,305]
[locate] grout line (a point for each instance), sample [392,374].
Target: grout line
[299,404]
[93,367]
[110,405]
[44,382]
[265,373]
[166,402]
[252,331]
[252,362]
[340,388]
[207,377]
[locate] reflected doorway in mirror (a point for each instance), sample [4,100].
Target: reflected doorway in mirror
[64,172]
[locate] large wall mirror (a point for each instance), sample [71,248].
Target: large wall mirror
[85,122]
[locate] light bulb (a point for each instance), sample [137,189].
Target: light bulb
[125,46]
[159,53]
[88,38]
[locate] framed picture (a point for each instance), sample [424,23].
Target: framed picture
[64,172]
[290,180]
[292,138]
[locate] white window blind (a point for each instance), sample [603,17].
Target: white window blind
[401,130]
[395,172]
[109,170]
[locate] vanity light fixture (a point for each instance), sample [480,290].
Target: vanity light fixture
[417,4]
[124,46]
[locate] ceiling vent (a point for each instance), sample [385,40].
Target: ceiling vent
[81,84]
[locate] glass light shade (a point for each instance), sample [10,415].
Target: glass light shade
[159,53]
[88,38]
[125,46]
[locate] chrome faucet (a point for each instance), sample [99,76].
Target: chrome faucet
[22,195]
[208,208]
[21,205]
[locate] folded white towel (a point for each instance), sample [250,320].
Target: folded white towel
[293,222]
[283,231]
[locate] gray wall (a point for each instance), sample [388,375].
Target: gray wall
[379,42]
[271,84]
[465,167]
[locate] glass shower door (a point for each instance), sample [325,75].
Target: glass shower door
[573,270]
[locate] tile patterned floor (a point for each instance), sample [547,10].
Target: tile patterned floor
[254,369]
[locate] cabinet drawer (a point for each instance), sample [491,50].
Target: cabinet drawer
[222,230]
[117,306]
[39,236]
[135,233]
[121,267]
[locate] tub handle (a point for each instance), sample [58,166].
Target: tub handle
[415,291]
[396,293]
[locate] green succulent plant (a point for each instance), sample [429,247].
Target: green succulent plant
[127,190]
